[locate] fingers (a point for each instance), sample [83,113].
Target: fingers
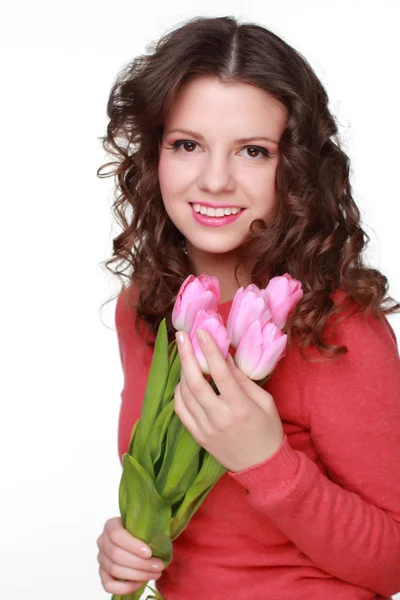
[115,532]
[227,385]
[217,365]
[183,413]
[124,561]
[239,375]
[112,586]
[250,387]
[197,408]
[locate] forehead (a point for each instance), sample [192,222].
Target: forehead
[210,105]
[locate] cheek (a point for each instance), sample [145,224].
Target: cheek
[170,178]
[168,186]
[260,189]
[163,173]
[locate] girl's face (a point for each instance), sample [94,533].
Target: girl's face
[219,150]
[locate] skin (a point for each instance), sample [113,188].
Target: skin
[218,170]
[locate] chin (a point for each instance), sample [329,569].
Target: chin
[216,246]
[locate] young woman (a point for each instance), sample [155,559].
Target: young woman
[223,118]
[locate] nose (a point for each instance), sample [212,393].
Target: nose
[216,175]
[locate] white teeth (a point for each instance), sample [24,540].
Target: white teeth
[212,212]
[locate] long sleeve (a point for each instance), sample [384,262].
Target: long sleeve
[346,521]
[135,361]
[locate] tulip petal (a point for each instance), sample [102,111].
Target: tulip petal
[249,350]
[270,358]
[240,318]
[195,293]
[212,322]
[282,294]
[248,305]
[204,301]
[232,313]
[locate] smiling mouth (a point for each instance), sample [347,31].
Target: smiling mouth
[215,211]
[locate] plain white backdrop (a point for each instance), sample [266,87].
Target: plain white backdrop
[61,376]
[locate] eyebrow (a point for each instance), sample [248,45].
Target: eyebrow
[239,141]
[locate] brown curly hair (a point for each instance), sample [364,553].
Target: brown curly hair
[315,233]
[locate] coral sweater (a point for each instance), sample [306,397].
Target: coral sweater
[320,519]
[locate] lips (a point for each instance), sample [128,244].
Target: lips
[208,204]
[215,221]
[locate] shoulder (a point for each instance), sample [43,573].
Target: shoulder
[371,358]
[125,317]
[360,388]
[125,310]
[360,330]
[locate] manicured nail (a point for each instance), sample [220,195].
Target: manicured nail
[145,551]
[201,336]
[179,337]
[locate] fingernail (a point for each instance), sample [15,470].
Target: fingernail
[179,337]
[201,336]
[145,551]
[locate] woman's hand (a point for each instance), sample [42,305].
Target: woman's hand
[241,427]
[124,566]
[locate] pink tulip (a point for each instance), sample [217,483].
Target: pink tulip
[248,305]
[196,293]
[260,349]
[212,322]
[282,294]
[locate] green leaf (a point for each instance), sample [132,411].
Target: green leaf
[133,596]
[123,497]
[176,476]
[172,352]
[132,438]
[155,595]
[148,515]
[156,382]
[156,439]
[174,376]
[210,473]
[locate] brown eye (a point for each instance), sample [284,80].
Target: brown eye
[188,145]
[254,151]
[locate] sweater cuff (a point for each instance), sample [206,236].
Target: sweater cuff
[269,482]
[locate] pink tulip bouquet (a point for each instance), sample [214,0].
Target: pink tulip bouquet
[166,474]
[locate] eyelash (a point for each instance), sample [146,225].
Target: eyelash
[178,143]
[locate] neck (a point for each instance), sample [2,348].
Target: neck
[221,266]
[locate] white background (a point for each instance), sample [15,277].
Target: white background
[61,375]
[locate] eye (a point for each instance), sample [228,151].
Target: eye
[189,147]
[188,143]
[257,149]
